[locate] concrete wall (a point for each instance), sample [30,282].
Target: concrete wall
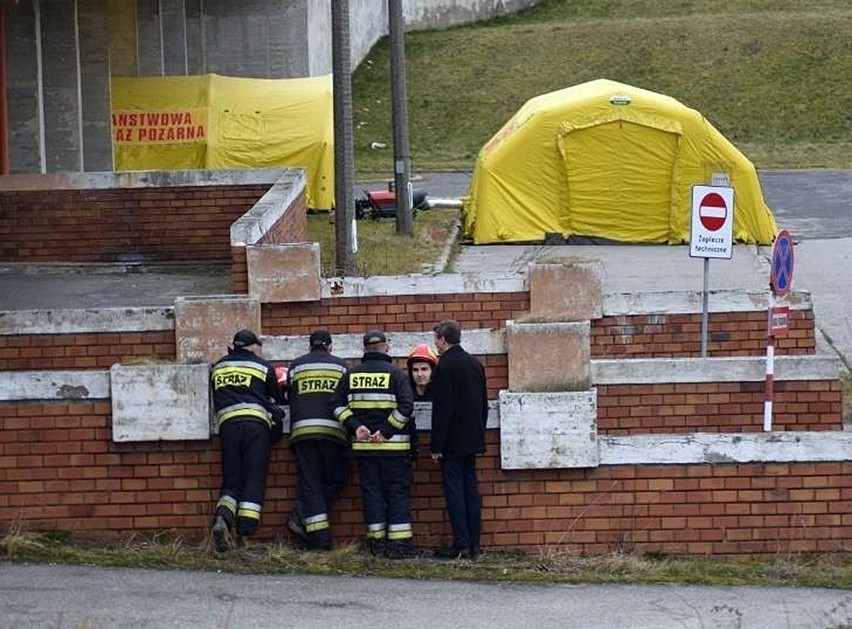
[23,72]
[57,55]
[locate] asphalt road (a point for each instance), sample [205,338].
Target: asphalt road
[71,597]
[811,204]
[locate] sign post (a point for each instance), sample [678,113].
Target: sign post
[780,278]
[711,236]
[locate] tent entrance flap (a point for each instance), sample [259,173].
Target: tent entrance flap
[619,181]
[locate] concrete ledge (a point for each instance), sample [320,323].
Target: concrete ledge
[160,402]
[744,369]
[690,302]
[548,430]
[441,284]
[772,447]
[72,321]
[54,385]
[140,179]
[263,215]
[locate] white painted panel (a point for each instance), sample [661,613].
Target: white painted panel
[548,430]
[160,402]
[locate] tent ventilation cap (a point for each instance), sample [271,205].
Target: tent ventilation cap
[619,99]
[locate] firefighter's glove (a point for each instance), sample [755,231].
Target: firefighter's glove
[278,415]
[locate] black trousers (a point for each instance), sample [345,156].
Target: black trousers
[464,504]
[322,468]
[245,446]
[386,494]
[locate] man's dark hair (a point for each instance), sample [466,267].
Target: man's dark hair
[449,330]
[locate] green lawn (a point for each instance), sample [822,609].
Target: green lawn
[773,76]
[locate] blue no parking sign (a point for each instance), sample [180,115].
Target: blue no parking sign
[781,270]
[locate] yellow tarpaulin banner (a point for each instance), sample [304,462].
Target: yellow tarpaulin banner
[212,121]
[607,160]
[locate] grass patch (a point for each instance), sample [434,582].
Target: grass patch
[550,565]
[771,75]
[381,251]
[846,383]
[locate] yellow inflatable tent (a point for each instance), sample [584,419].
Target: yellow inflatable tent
[212,121]
[604,159]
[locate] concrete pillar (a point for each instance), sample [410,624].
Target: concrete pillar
[121,15]
[548,356]
[173,24]
[284,273]
[60,72]
[566,288]
[95,85]
[319,37]
[149,44]
[205,326]
[194,38]
[22,89]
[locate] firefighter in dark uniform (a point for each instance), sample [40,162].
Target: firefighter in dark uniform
[318,440]
[374,403]
[245,393]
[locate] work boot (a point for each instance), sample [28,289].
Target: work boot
[296,527]
[222,539]
[451,552]
[403,550]
[377,547]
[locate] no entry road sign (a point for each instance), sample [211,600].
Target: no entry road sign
[712,211]
[712,230]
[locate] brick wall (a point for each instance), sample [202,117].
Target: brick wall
[291,227]
[83,350]
[679,335]
[394,313]
[717,407]
[59,470]
[121,224]
[410,313]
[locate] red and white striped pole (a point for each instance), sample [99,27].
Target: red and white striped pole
[768,389]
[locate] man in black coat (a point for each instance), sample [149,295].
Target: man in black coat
[459,414]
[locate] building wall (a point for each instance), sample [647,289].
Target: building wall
[61,55]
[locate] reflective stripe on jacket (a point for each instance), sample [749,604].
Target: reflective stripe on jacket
[312,380]
[244,386]
[376,394]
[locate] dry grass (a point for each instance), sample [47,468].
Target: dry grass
[381,251]
[556,564]
[846,382]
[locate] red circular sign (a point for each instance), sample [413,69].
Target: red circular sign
[712,211]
